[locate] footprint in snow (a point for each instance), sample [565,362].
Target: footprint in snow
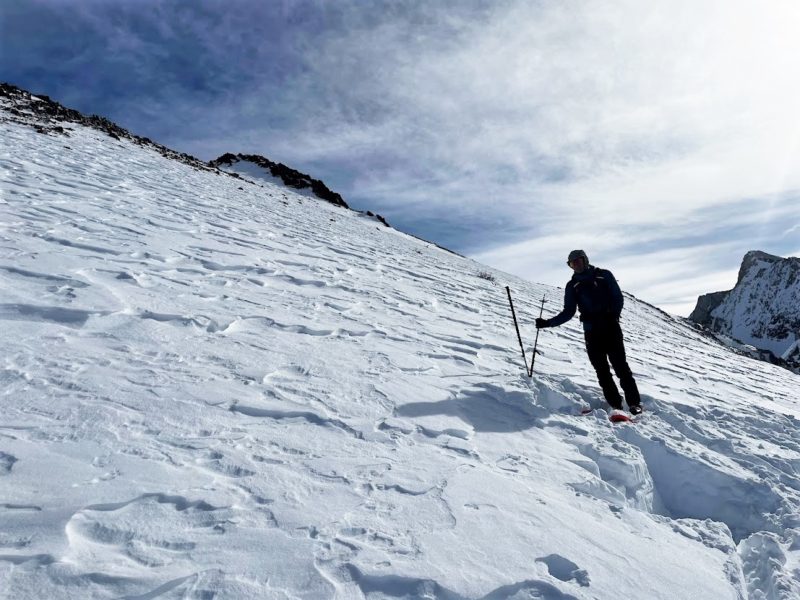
[6,463]
[564,569]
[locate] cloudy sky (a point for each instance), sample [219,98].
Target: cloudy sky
[663,137]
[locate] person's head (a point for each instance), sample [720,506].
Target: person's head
[578,261]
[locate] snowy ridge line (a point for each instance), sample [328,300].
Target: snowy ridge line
[286,175]
[48,116]
[222,392]
[255,168]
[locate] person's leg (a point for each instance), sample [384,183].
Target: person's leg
[616,354]
[596,349]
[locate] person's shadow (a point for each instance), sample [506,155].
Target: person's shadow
[485,406]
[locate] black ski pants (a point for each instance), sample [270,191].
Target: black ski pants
[603,344]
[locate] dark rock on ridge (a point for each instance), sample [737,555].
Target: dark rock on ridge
[290,177]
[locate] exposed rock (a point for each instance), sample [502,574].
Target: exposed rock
[378,217]
[706,304]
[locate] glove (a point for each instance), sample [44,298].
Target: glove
[541,323]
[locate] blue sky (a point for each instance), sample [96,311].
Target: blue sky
[661,137]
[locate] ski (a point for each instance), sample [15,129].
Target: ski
[620,416]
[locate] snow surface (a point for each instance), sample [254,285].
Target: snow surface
[210,392]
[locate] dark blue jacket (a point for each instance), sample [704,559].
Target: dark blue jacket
[595,293]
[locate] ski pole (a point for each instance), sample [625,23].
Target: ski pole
[536,341]
[519,337]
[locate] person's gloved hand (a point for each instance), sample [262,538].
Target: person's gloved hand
[541,323]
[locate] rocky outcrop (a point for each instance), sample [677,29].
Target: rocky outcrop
[254,167]
[762,310]
[290,177]
[706,304]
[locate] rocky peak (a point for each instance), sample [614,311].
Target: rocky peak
[762,310]
[751,258]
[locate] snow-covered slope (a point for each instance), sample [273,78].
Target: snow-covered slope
[214,392]
[762,310]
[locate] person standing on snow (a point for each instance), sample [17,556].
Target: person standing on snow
[596,294]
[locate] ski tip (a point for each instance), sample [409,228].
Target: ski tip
[620,419]
[587,410]
[617,416]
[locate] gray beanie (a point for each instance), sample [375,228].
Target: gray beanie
[577,254]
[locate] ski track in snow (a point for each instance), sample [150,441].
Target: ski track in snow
[218,390]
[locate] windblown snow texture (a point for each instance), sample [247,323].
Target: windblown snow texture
[215,392]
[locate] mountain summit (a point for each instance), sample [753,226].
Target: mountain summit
[762,310]
[219,390]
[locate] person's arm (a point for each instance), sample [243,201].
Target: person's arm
[617,299]
[570,305]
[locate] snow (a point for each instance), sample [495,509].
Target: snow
[211,392]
